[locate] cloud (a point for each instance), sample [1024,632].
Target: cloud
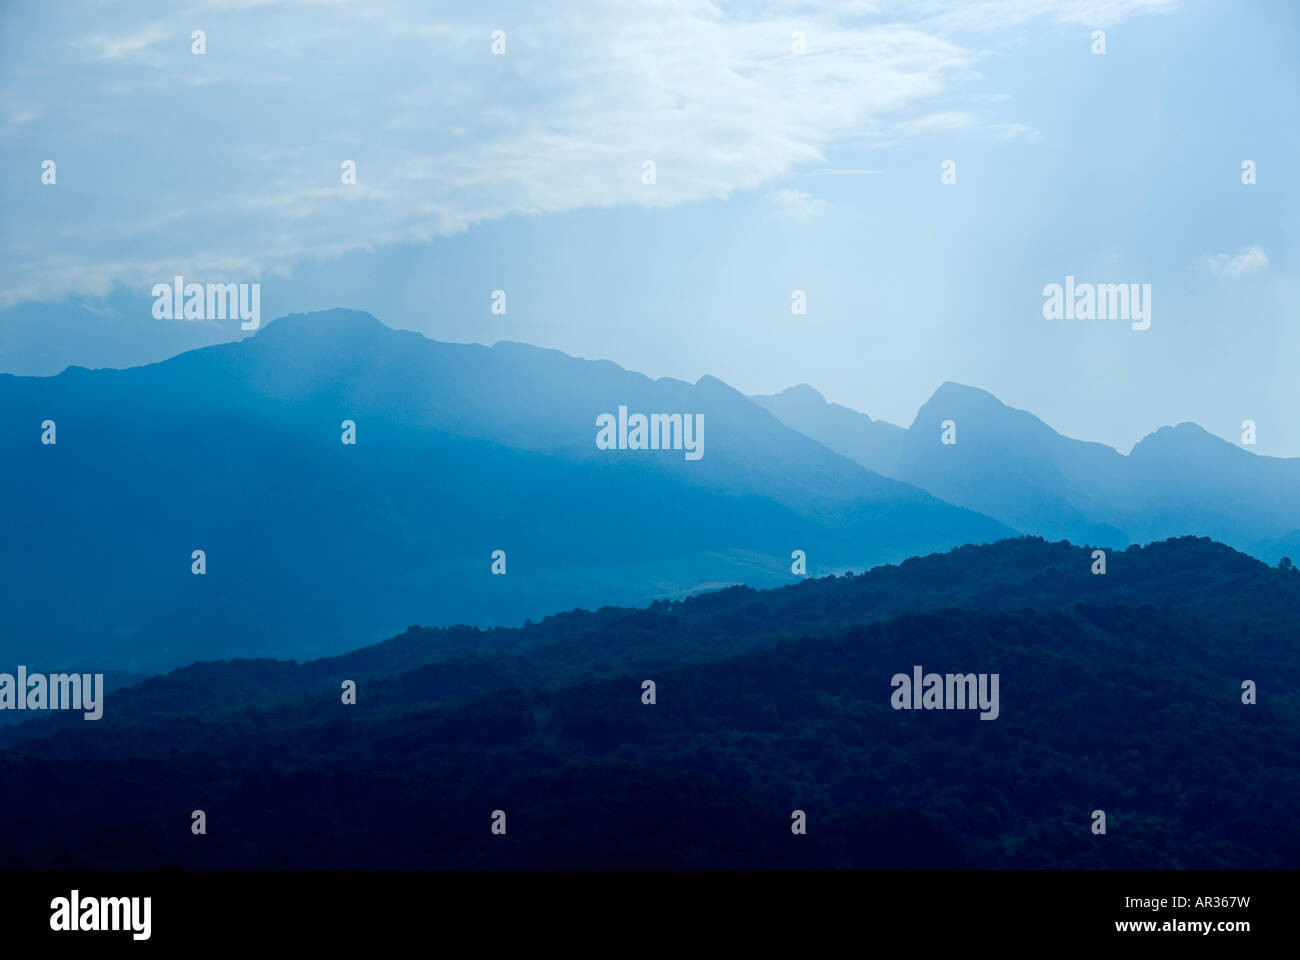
[843,172]
[171,162]
[953,122]
[1250,259]
[796,204]
[989,16]
[124,45]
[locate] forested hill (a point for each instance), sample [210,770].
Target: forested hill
[1119,692]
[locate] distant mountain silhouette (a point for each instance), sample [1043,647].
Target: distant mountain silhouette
[1120,692]
[313,546]
[846,431]
[1010,465]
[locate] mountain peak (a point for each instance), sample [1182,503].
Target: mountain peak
[801,397]
[951,391]
[955,400]
[1185,437]
[339,320]
[803,392]
[712,384]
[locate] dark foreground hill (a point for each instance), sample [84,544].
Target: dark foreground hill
[1120,693]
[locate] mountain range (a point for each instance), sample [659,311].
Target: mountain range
[1008,464]
[314,546]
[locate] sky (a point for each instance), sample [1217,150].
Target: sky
[796,147]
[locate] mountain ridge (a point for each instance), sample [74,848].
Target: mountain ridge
[461,449]
[1008,463]
[1121,691]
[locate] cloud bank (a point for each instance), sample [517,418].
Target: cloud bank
[227,166]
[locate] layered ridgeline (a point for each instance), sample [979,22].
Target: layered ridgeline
[1121,693]
[1010,465]
[314,546]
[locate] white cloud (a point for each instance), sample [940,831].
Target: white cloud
[843,172]
[796,204]
[125,45]
[995,15]
[953,122]
[1250,259]
[175,163]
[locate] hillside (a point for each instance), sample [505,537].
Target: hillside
[314,546]
[1119,692]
